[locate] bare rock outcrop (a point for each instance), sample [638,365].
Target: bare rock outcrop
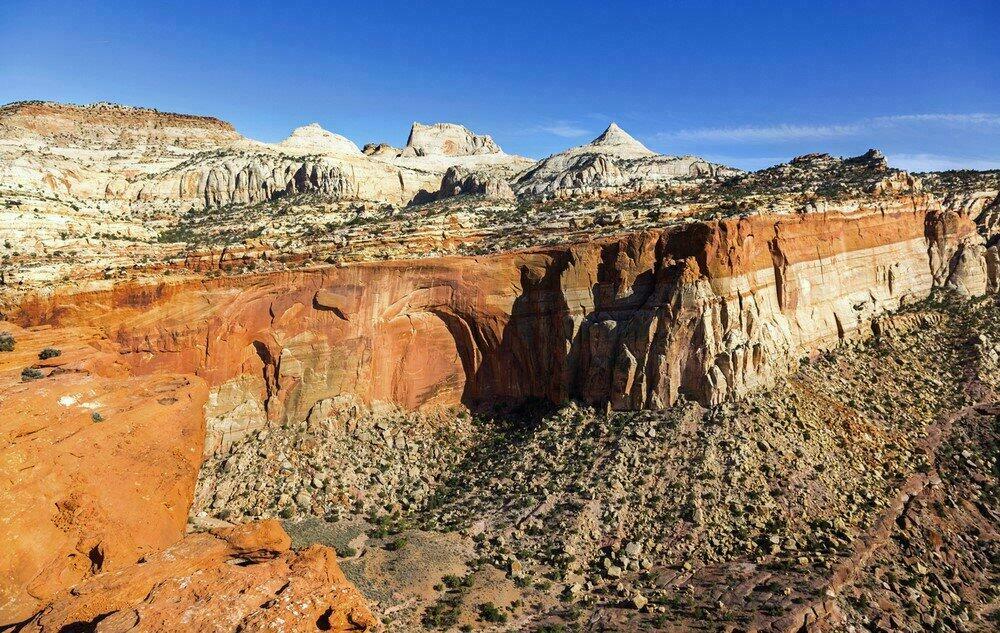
[458,181]
[614,161]
[111,126]
[710,310]
[98,470]
[139,160]
[242,178]
[243,578]
[381,149]
[313,139]
[447,139]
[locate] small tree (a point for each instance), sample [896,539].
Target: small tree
[490,612]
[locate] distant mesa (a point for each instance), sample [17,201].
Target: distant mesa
[190,161]
[110,125]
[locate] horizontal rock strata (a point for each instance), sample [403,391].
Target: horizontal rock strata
[705,310]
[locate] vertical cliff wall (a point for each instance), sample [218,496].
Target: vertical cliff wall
[709,310]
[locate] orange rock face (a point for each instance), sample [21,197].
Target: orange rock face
[95,471]
[708,310]
[236,579]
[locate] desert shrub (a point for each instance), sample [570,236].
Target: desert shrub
[396,544]
[6,342]
[49,352]
[444,613]
[490,612]
[96,417]
[30,373]
[451,581]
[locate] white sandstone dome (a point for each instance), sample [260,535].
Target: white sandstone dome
[314,139]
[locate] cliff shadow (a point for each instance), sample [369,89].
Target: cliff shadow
[529,360]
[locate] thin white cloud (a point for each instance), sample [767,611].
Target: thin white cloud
[975,119]
[564,129]
[745,134]
[797,132]
[937,162]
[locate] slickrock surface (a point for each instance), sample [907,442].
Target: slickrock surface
[232,579]
[98,469]
[313,139]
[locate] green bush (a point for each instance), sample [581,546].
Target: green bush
[396,544]
[30,373]
[6,342]
[490,612]
[96,417]
[49,352]
[444,613]
[452,581]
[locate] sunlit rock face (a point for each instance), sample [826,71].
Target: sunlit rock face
[98,466]
[448,139]
[267,586]
[614,161]
[709,310]
[142,158]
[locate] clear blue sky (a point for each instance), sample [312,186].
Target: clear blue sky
[747,83]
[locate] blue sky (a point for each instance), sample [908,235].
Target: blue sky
[746,83]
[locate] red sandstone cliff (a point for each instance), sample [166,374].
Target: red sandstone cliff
[708,310]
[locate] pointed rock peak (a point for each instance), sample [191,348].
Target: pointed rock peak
[613,133]
[313,138]
[617,137]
